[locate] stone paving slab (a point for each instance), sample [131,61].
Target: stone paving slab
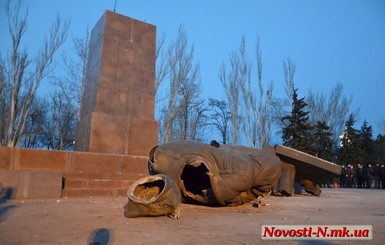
[102,221]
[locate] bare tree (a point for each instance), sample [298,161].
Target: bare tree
[71,84]
[60,125]
[278,110]
[24,74]
[280,107]
[178,61]
[262,113]
[33,136]
[161,63]
[220,118]
[76,69]
[191,115]
[55,128]
[332,109]
[239,88]
[183,89]
[243,71]
[198,122]
[288,73]
[229,80]
[4,89]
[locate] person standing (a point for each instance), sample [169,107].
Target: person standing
[368,176]
[343,176]
[382,175]
[359,175]
[377,179]
[349,176]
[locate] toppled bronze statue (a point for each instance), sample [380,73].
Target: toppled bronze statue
[153,196]
[225,175]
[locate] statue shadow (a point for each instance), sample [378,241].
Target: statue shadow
[5,195]
[100,236]
[379,214]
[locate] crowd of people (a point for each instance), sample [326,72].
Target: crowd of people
[368,176]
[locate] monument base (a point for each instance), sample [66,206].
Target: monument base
[30,184]
[30,173]
[114,134]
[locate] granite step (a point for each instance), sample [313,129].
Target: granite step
[97,184]
[102,176]
[94,193]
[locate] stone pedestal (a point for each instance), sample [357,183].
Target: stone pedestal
[31,184]
[117,111]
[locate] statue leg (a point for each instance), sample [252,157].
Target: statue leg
[310,187]
[285,184]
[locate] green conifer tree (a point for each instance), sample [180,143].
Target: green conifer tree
[324,141]
[366,143]
[350,152]
[379,146]
[297,133]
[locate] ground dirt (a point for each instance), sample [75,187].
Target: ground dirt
[101,220]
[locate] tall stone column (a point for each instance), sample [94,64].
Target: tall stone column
[117,110]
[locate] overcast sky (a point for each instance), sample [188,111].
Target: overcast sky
[330,41]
